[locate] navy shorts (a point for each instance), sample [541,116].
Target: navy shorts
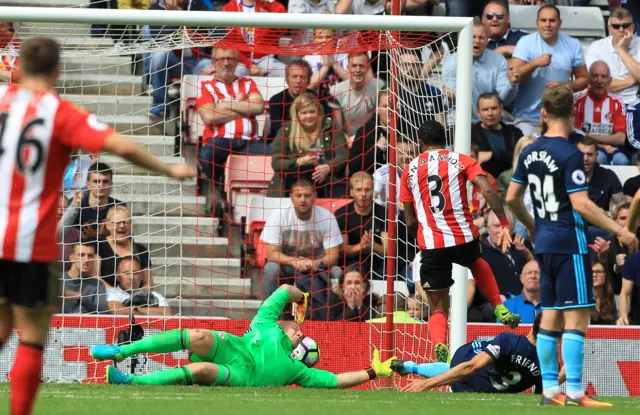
[565,281]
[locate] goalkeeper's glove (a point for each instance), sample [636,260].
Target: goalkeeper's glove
[380,369]
[300,308]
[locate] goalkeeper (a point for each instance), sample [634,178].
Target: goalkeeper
[261,357]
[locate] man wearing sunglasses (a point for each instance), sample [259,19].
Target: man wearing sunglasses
[621,51]
[502,39]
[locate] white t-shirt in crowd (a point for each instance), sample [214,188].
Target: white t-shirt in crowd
[118,294]
[603,50]
[367,8]
[381,186]
[302,238]
[315,61]
[357,105]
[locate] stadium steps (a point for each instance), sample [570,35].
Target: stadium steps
[166,226]
[110,106]
[124,167]
[220,308]
[99,65]
[205,269]
[157,144]
[185,246]
[125,185]
[175,206]
[99,84]
[203,288]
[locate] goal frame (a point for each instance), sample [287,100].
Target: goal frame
[464,56]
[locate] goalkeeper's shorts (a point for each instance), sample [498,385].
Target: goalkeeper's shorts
[230,355]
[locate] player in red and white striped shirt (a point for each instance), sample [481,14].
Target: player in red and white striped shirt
[228,106]
[603,117]
[436,191]
[38,133]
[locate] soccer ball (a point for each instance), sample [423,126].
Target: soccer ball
[307,352]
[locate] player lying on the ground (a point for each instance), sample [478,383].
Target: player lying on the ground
[261,357]
[506,364]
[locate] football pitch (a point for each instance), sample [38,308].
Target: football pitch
[155,400]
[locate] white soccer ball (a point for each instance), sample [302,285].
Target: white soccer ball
[307,352]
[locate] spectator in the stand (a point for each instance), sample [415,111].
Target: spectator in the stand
[495,139]
[542,59]
[350,299]
[97,200]
[67,233]
[309,146]
[527,304]
[82,289]
[328,69]
[629,299]
[119,243]
[362,224]
[298,76]
[603,118]
[611,252]
[130,296]
[604,312]
[463,8]
[632,184]
[357,95]
[257,62]
[363,7]
[502,38]
[405,152]
[77,173]
[228,106]
[506,266]
[368,150]
[605,189]
[490,72]
[505,178]
[9,61]
[303,245]
[621,51]
[166,63]
[418,102]
[306,36]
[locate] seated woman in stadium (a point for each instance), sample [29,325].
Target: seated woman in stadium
[118,242]
[351,300]
[605,312]
[309,146]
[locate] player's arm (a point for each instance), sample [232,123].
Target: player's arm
[597,217]
[625,302]
[515,200]
[634,213]
[453,375]
[410,219]
[273,306]
[492,198]
[615,139]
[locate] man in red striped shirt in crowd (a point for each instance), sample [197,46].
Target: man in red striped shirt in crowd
[228,106]
[436,191]
[38,133]
[603,117]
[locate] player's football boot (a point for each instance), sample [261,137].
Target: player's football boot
[506,317]
[558,400]
[442,352]
[300,309]
[587,401]
[398,367]
[115,377]
[106,352]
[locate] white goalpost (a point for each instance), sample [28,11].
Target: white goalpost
[221,295]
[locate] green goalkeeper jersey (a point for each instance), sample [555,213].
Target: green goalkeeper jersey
[271,349]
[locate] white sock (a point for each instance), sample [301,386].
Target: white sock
[575,395]
[551,392]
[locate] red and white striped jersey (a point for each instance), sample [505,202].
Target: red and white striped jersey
[215,91]
[600,117]
[38,133]
[438,183]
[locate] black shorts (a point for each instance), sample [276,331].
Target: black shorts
[436,264]
[30,284]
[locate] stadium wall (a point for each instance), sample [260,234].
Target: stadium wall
[612,353]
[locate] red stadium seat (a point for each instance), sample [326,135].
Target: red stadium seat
[253,235]
[247,172]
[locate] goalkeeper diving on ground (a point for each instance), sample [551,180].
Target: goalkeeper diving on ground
[261,357]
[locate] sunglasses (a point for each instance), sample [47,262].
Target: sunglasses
[621,25]
[491,16]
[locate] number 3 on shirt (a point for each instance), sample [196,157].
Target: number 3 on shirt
[544,196]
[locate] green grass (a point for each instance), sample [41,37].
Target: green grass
[155,400]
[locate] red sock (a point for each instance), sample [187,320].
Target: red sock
[438,327]
[25,378]
[485,279]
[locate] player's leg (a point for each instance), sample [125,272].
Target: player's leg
[201,373]
[33,296]
[198,341]
[426,370]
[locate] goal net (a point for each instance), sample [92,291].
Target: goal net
[317,105]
